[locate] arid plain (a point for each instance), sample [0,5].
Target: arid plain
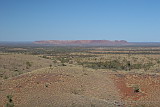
[78,76]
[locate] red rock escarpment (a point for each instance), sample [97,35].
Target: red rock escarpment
[83,42]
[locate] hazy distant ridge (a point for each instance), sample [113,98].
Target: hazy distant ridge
[83,42]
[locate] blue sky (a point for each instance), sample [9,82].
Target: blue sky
[30,20]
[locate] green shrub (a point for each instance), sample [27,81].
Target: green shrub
[136,88]
[10,101]
[28,64]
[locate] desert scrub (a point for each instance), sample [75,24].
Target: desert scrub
[50,66]
[5,77]
[28,64]
[10,101]
[77,91]
[118,65]
[136,88]
[140,106]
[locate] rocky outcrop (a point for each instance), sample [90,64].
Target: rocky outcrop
[83,42]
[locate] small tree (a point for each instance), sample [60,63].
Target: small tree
[50,66]
[28,64]
[136,88]
[10,101]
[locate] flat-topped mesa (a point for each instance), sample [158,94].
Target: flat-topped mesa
[82,42]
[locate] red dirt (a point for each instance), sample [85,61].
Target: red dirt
[37,79]
[126,91]
[149,86]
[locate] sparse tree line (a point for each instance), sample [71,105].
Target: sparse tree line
[117,65]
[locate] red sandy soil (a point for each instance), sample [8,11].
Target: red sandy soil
[66,86]
[126,91]
[62,87]
[148,84]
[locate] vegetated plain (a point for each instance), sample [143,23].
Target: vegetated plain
[52,76]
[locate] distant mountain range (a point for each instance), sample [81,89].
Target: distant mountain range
[83,42]
[79,43]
